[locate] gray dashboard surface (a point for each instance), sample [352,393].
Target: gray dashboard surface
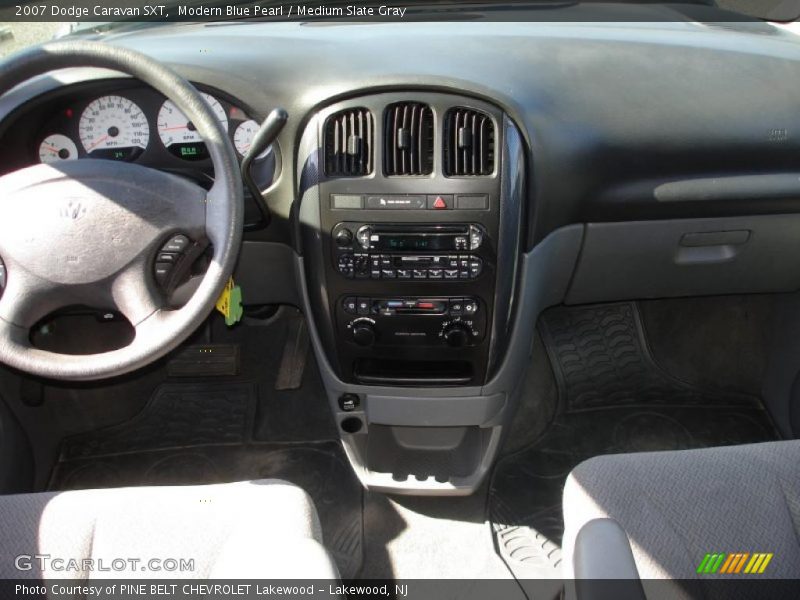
[609,111]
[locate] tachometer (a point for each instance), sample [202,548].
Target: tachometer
[178,133]
[114,127]
[56,147]
[243,137]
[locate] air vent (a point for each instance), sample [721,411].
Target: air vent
[348,143]
[408,139]
[468,143]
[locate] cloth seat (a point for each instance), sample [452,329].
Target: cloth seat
[675,507]
[266,529]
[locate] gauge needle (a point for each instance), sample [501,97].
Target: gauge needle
[52,149]
[173,128]
[100,141]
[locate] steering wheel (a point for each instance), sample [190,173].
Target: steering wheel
[87,232]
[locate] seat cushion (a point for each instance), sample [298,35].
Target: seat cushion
[256,529]
[678,506]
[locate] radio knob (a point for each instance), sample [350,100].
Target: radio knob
[364,333]
[344,237]
[363,236]
[457,335]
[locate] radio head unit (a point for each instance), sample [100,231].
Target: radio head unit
[410,238]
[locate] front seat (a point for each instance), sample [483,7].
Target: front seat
[265,529]
[657,515]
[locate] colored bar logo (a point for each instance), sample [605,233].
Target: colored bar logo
[734,563]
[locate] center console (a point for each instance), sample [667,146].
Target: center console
[408,224]
[412,301]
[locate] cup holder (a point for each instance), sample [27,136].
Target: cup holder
[351,425]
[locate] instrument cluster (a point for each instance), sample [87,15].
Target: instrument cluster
[129,122]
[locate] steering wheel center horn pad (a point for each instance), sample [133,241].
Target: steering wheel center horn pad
[87,232]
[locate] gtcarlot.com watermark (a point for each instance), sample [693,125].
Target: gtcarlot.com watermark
[48,563]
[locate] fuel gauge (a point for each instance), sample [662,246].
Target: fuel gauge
[56,147]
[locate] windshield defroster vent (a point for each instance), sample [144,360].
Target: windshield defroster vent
[348,143]
[408,139]
[468,143]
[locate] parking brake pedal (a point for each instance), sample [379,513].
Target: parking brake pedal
[205,360]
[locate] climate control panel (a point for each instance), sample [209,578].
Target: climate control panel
[403,321]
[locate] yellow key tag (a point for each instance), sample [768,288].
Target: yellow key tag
[230,303]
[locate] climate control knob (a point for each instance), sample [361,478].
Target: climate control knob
[457,334]
[364,333]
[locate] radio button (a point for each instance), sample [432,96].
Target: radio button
[475,267]
[435,273]
[463,274]
[350,305]
[345,265]
[451,273]
[420,273]
[364,305]
[456,307]
[475,237]
[388,273]
[344,237]
[404,273]
[375,274]
[361,265]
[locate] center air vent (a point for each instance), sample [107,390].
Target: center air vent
[408,139]
[468,143]
[348,143]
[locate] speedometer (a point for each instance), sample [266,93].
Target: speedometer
[178,134]
[113,127]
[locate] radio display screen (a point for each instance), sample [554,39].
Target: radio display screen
[414,242]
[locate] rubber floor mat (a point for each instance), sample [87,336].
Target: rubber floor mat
[178,415]
[614,398]
[600,357]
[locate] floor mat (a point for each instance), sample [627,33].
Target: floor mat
[614,398]
[600,357]
[192,433]
[178,415]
